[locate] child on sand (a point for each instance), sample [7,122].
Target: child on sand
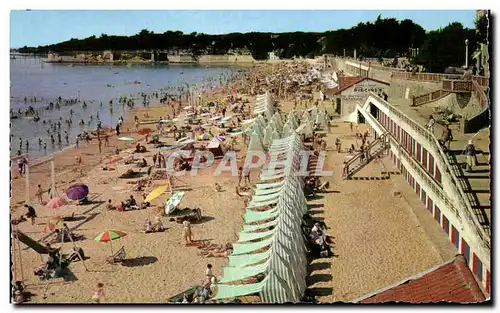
[187,231]
[39,193]
[99,293]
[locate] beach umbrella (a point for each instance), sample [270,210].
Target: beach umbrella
[187,142]
[126,139]
[236,134]
[248,121]
[77,192]
[110,235]
[173,202]
[181,141]
[216,118]
[227,118]
[144,131]
[52,224]
[56,202]
[156,193]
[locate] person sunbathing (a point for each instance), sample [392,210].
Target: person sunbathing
[218,251]
[144,205]
[18,220]
[121,207]
[131,203]
[110,206]
[158,226]
[76,254]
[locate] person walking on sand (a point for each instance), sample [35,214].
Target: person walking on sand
[31,213]
[350,125]
[240,175]
[100,146]
[338,145]
[246,173]
[187,231]
[20,167]
[118,129]
[99,293]
[345,168]
[39,194]
[208,272]
[106,141]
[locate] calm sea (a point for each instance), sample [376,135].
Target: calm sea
[30,77]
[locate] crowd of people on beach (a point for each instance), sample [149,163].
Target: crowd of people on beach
[175,97]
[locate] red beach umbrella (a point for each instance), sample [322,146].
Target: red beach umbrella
[56,202]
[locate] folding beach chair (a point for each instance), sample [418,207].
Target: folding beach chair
[118,257]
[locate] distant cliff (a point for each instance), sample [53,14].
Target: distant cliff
[120,57]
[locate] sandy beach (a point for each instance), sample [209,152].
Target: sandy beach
[377,239]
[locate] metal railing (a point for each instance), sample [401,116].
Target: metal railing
[429,97]
[440,156]
[433,77]
[423,175]
[457,85]
[479,93]
[370,149]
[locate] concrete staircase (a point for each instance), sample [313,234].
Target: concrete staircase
[375,148]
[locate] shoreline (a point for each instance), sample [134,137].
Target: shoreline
[64,159]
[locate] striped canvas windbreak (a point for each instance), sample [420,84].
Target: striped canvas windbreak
[284,263]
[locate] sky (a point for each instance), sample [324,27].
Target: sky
[34,28]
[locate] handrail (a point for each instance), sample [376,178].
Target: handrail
[477,90]
[436,77]
[444,160]
[456,85]
[424,175]
[429,97]
[403,74]
[370,146]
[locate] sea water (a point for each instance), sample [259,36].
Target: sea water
[32,77]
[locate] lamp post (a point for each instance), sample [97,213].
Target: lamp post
[466,53]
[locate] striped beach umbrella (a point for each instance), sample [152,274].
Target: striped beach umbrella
[173,202]
[110,235]
[52,224]
[77,192]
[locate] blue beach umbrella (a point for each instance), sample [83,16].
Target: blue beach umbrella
[77,192]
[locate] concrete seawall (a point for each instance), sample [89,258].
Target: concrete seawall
[107,58]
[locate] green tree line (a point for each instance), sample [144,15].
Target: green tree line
[385,37]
